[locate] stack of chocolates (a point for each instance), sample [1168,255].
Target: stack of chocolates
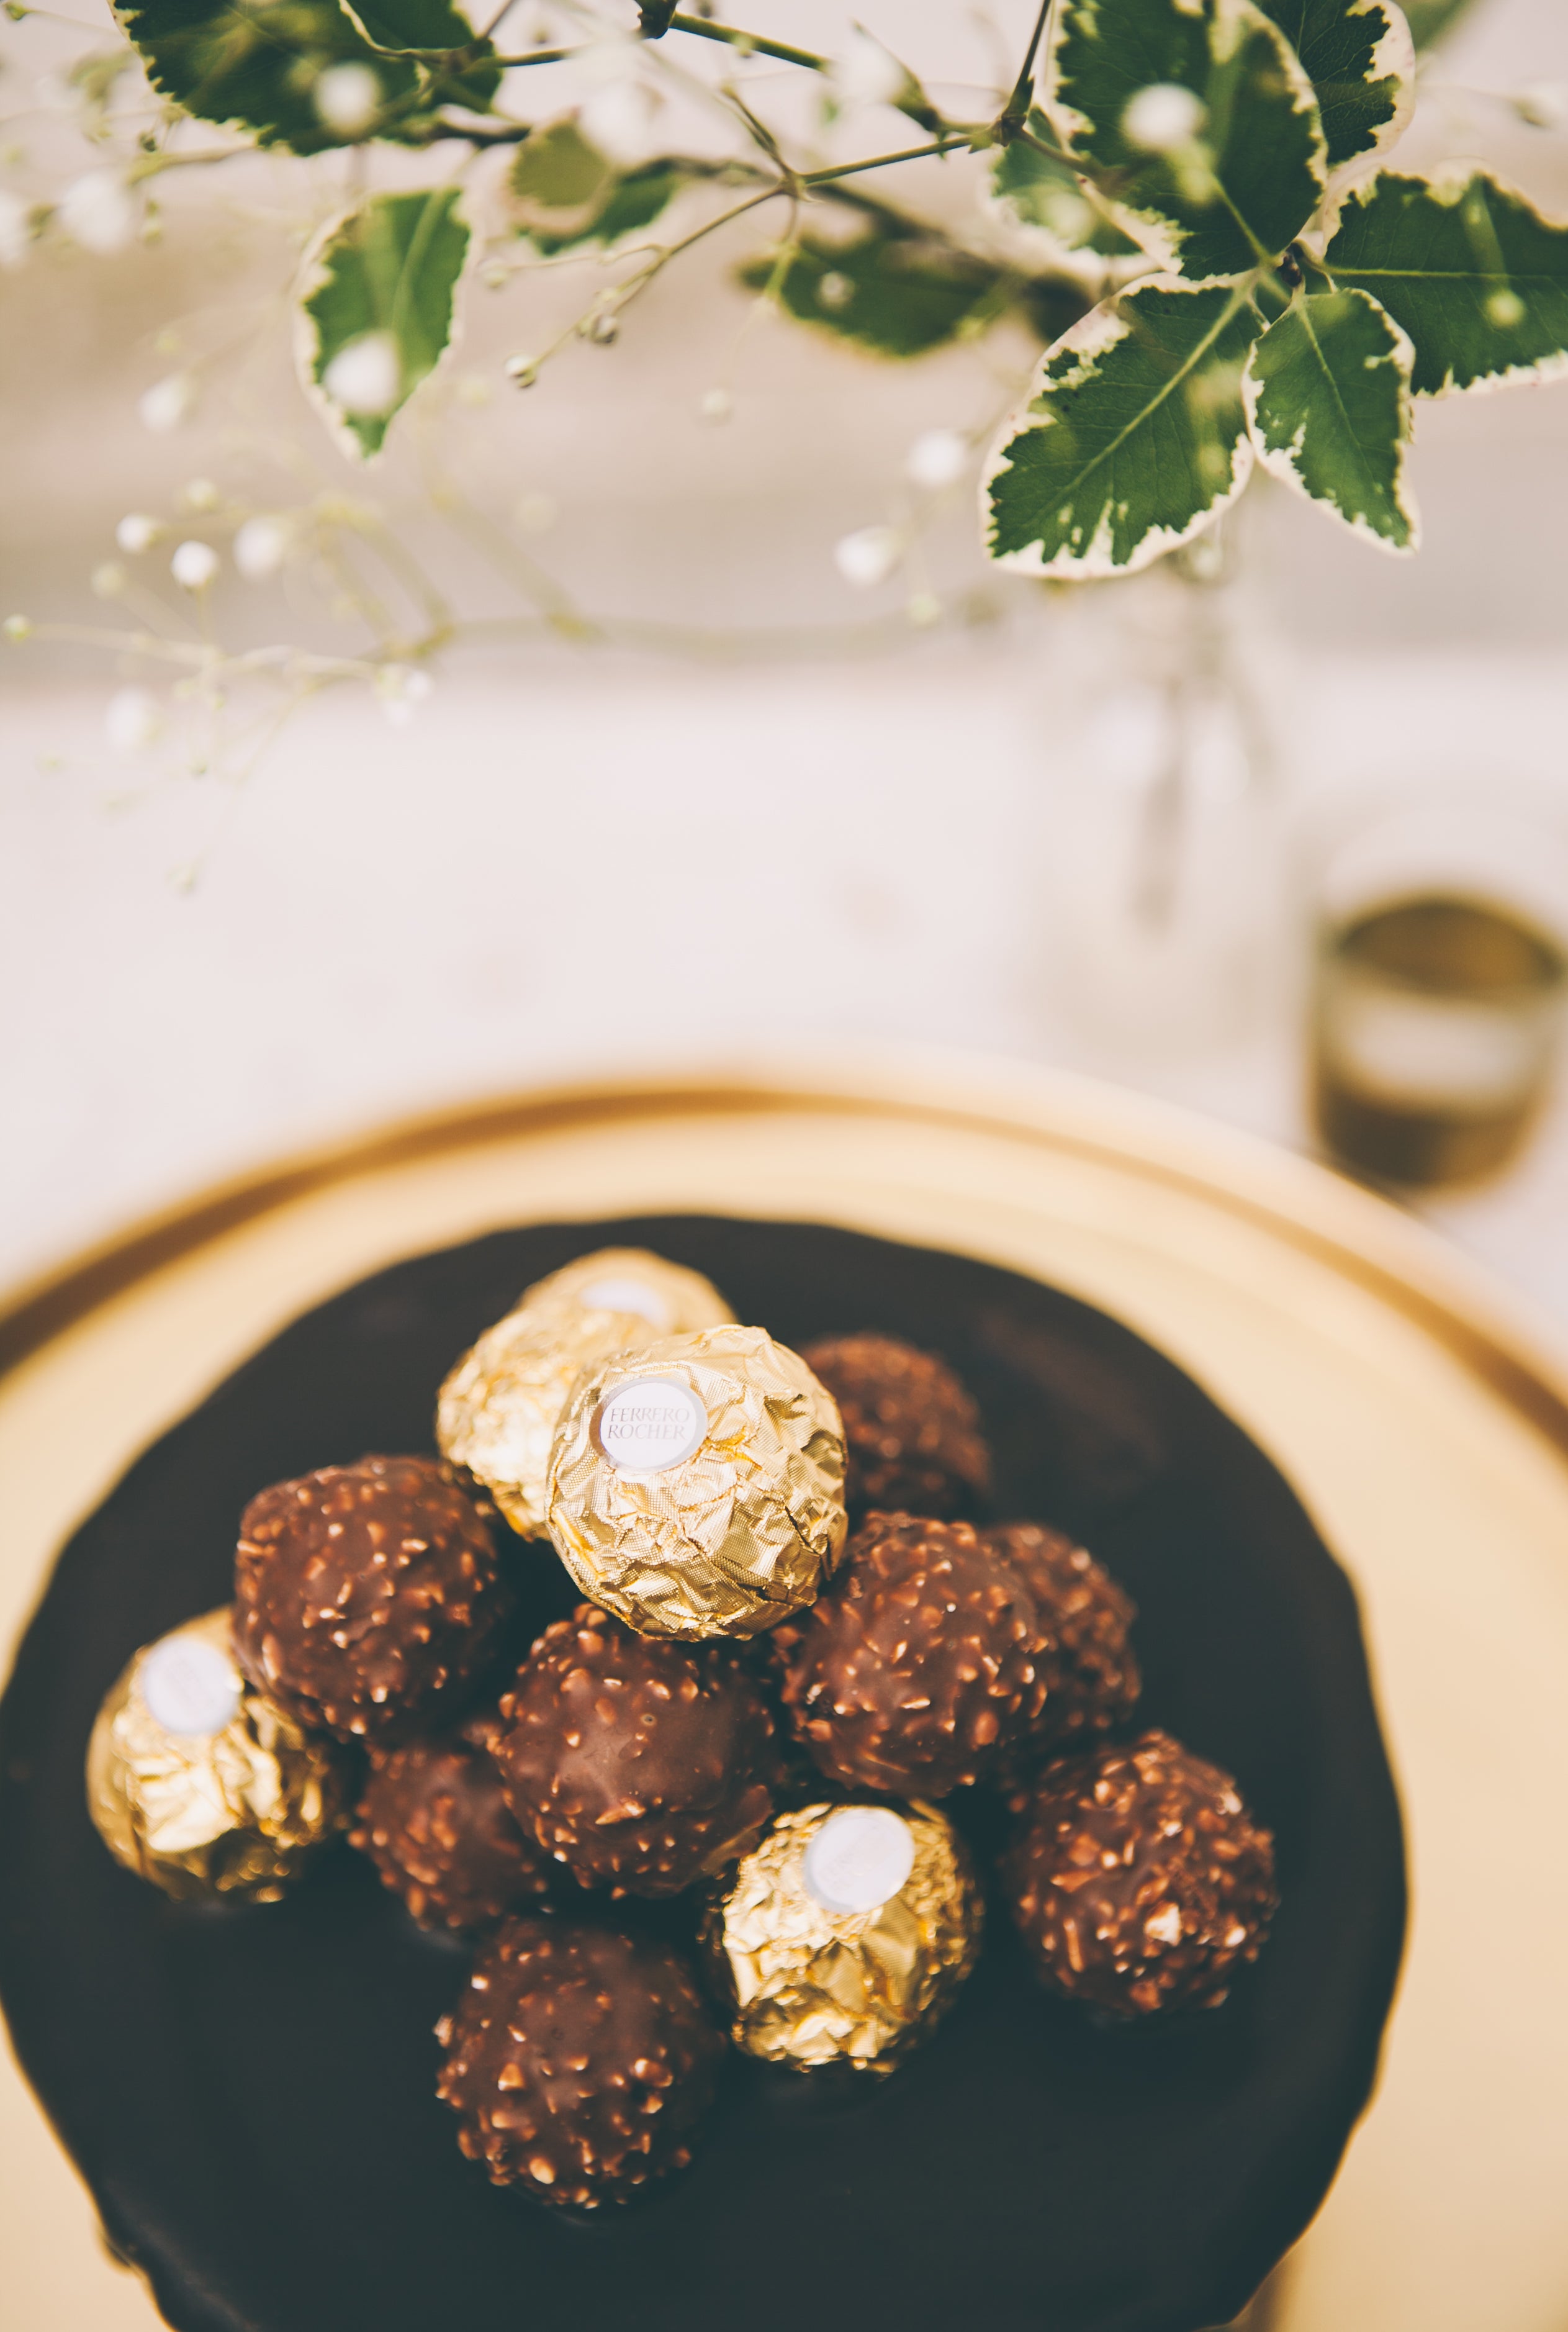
[756,1705]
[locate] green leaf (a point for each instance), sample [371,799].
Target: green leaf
[566,194]
[1327,394]
[254,64]
[1477,278]
[1237,181]
[1042,192]
[1361,61]
[894,290]
[379,315]
[415,27]
[1134,438]
[1428,18]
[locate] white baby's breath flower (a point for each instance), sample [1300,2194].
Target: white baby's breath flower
[365,375]
[619,120]
[137,532]
[261,547]
[835,291]
[168,402]
[401,691]
[716,405]
[869,556]
[1544,105]
[132,719]
[108,580]
[938,457]
[97,210]
[922,608]
[867,73]
[199,494]
[193,565]
[15,229]
[347,97]
[1162,118]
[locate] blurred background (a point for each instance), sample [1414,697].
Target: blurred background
[1282,836]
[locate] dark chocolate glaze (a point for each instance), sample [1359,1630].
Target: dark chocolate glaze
[638,1762]
[250,2093]
[579,2061]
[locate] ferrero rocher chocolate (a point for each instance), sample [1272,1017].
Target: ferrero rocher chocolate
[197,1782]
[920,1664]
[640,1764]
[1138,1879]
[497,1411]
[912,1432]
[434,1821]
[696,1487]
[367,1597]
[844,1935]
[579,2062]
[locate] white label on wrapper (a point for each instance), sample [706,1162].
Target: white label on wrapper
[649,1425]
[858,1859]
[627,1295]
[189,1686]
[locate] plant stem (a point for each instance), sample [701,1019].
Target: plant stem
[752,42]
[943,144]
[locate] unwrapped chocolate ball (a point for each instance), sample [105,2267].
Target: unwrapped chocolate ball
[434,1821]
[197,1782]
[639,1764]
[921,1663]
[696,1488]
[1090,1671]
[912,1431]
[499,1408]
[367,1597]
[579,2062]
[844,1935]
[1138,1880]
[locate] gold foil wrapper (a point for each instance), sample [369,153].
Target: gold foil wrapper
[498,1410]
[235,1811]
[721,1531]
[813,1986]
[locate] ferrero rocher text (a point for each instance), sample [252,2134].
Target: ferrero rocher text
[696,1485]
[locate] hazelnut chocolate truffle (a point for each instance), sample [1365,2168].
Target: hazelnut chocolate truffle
[367,1596]
[1091,1673]
[1138,1880]
[844,1935]
[911,1429]
[199,1783]
[498,1410]
[434,1821]
[919,1664]
[696,1487]
[579,2062]
[639,1764]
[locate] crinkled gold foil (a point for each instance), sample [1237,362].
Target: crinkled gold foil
[669,1299]
[234,1812]
[729,1539]
[810,1986]
[498,1410]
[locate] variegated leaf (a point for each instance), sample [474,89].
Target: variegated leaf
[1044,196]
[1467,269]
[1202,110]
[1328,399]
[1134,439]
[1361,61]
[378,315]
